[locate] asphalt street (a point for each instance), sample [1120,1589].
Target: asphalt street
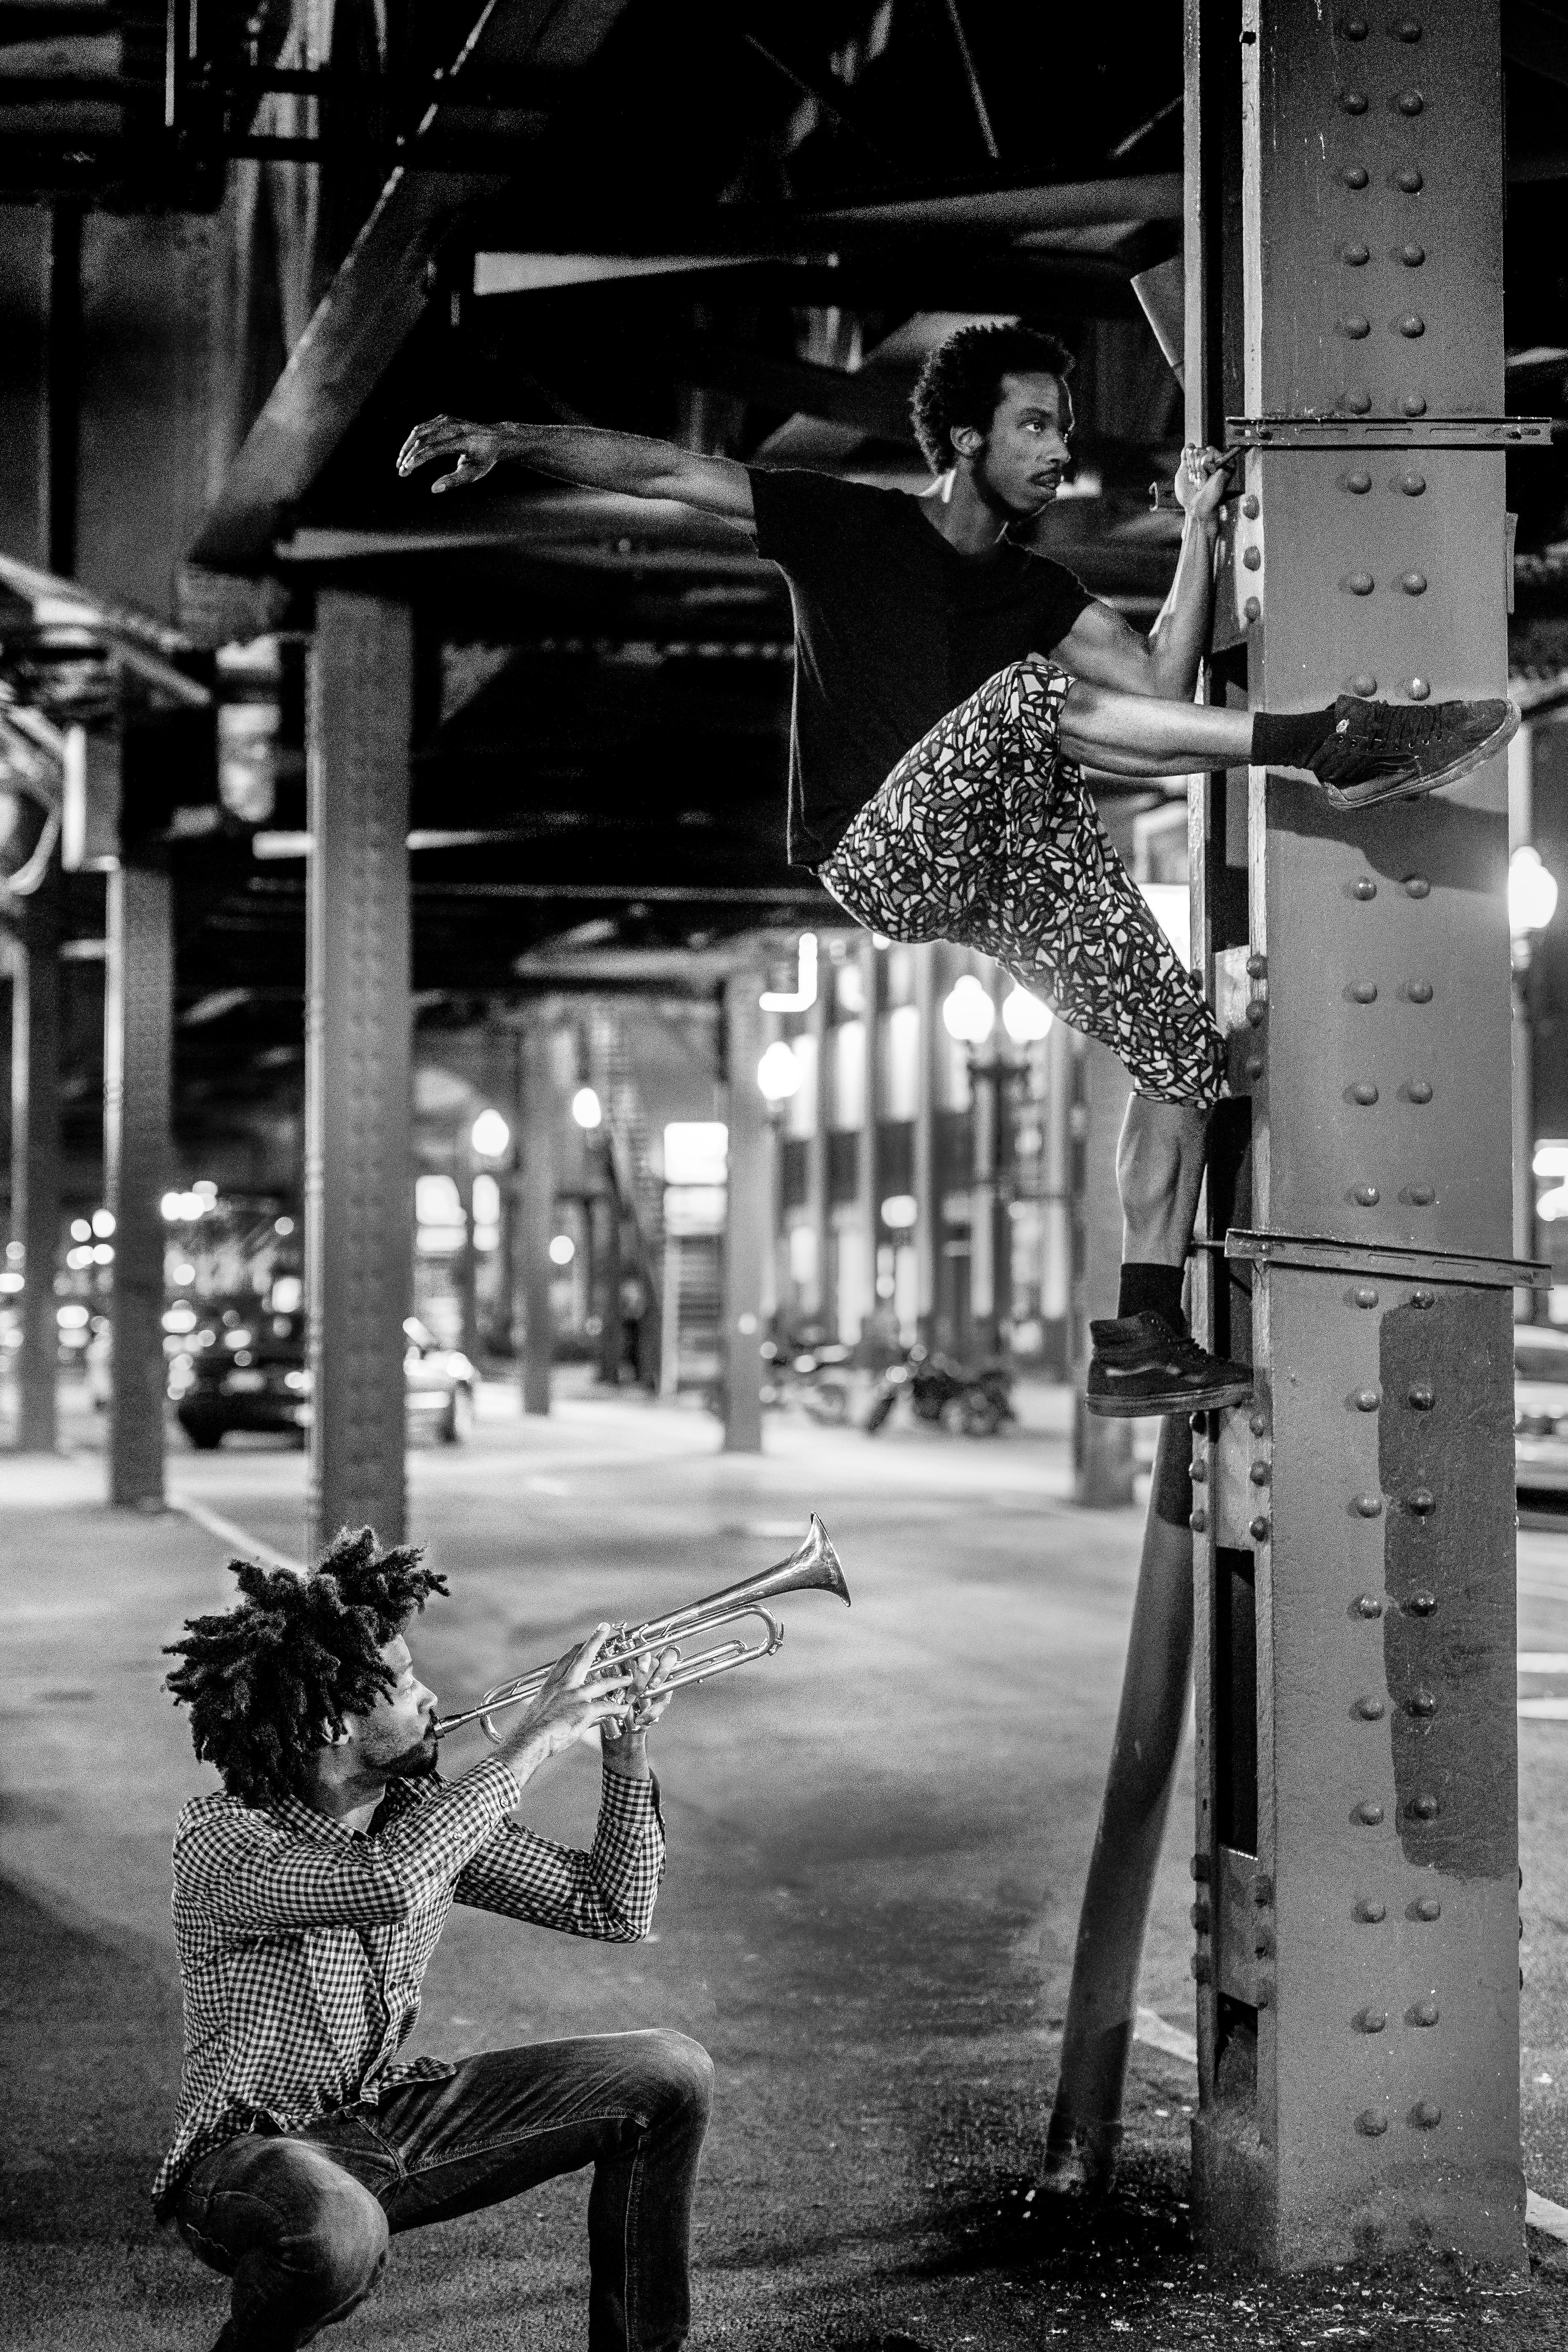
[877,1841]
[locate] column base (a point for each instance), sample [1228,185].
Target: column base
[1081,2159]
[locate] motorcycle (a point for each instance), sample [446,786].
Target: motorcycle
[813,1378]
[975,1401]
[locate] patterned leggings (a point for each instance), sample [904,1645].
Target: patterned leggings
[985,834]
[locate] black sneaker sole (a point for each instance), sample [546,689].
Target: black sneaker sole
[1417,788]
[1189,1400]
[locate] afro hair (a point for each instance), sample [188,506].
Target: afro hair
[961,382]
[264,1681]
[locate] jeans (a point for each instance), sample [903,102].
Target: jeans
[300,2220]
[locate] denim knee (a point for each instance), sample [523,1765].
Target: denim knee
[338,2248]
[680,2071]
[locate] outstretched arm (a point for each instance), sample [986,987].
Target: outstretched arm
[1103,649]
[580,454]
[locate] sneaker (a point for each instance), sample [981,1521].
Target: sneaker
[1140,1366]
[1395,751]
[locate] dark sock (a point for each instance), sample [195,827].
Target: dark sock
[1288,739]
[1152,1290]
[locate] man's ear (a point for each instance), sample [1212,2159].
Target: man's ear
[331,1738]
[966,439]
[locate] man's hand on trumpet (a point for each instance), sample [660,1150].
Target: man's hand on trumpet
[583,1694]
[625,1736]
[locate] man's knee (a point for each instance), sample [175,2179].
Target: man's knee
[678,2072]
[339,2252]
[287,2221]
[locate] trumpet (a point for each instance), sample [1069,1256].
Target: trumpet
[812,1567]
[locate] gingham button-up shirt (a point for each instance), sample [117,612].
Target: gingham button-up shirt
[302,1943]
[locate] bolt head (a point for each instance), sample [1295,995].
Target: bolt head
[1369,1815]
[1258,1530]
[1428,1908]
[1364,1294]
[1414,583]
[1357,255]
[1367,1399]
[1354,101]
[1202,1968]
[1369,1506]
[1423,1809]
[1365,888]
[1424,1299]
[1426,2114]
[1199,1867]
[1358,403]
[1422,1704]
[1259,1474]
[1198,1473]
[1252,559]
[1372,2122]
[1363,1092]
[1420,1196]
[1372,2020]
[1419,992]
[1369,1605]
[1364,992]
[1423,1397]
[1360,583]
[1365,1196]
[1371,1709]
[1413,485]
[1408,29]
[1252,506]
[1252,609]
[1198,1521]
[1371,1910]
[1413,405]
[1257,1425]
[1411,102]
[1355,175]
[1412,256]
[1357,327]
[1419,1090]
[1421,1499]
[1416,885]
[1421,1604]
[1199,1916]
[1408,181]
[1358,483]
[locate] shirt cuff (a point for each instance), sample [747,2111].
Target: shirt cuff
[631,1803]
[496,1778]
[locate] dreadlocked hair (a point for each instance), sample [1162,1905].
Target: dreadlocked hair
[960,383]
[300,1652]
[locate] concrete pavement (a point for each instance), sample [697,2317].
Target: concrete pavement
[877,1840]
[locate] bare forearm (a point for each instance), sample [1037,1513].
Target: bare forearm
[591,458]
[1180,636]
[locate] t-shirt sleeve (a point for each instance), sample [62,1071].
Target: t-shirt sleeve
[800,515]
[1059,597]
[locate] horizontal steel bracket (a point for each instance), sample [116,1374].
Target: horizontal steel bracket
[1323,1253]
[1389,432]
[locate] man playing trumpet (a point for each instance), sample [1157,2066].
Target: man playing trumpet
[309,1898]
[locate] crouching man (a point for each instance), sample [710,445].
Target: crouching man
[308,1901]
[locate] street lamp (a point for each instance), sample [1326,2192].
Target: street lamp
[1531,892]
[778,1074]
[490,1135]
[1026,1018]
[586,1108]
[967,1013]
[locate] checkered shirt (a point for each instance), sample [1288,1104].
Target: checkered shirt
[302,1943]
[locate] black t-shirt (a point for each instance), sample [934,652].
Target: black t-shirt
[892,629]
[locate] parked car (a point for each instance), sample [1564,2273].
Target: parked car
[1541,1407]
[237,1365]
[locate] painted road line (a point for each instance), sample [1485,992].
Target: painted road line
[1543,1661]
[1544,1711]
[239,1539]
[1541,2213]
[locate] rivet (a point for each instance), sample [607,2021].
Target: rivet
[1369,1506]
[1257,965]
[1369,1909]
[1408,29]
[1365,888]
[1252,608]
[1257,1425]
[1419,1090]
[1423,1704]
[1422,1809]
[1257,1012]
[1426,2115]
[1259,1474]
[1369,1815]
[1417,886]
[1363,1092]
[1371,1709]
[1409,180]
[1252,506]
[1413,485]
[1199,1867]
[1422,2012]
[1358,403]
[1360,583]
[1358,483]
[1198,1521]
[1414,583]
[1364,683]
[1373,2122]
[1364,991]
[1411,102]
[1419,992]
[1424,1299]
[1355,326]
[1412,256]
[1421,1604]
[1420,1196]
[1255,1067]
[1355,254]
[1367,1401]
[1199,1916]
[1202,1967]
[1372,2020]
[1265,1992]
[1355,29]
[1423,1398]
[1258,1530]
[1354,101]
[1252,559]
[1428,1908]
[1413,405]
[1263,1890]
[1421,1500]
[1364,1295]
[1411,324]
[1418,690]
[1199,1473]
[1365,1196]
[1263,1946]
[1355,175]
[1368,1605]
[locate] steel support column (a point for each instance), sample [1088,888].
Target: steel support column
[1357,1952]
[534,1321]
[35,1158]
[139,1003]
[745,1218]
[1102,1450]
[358,1211]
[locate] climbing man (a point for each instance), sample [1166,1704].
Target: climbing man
[947,683]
